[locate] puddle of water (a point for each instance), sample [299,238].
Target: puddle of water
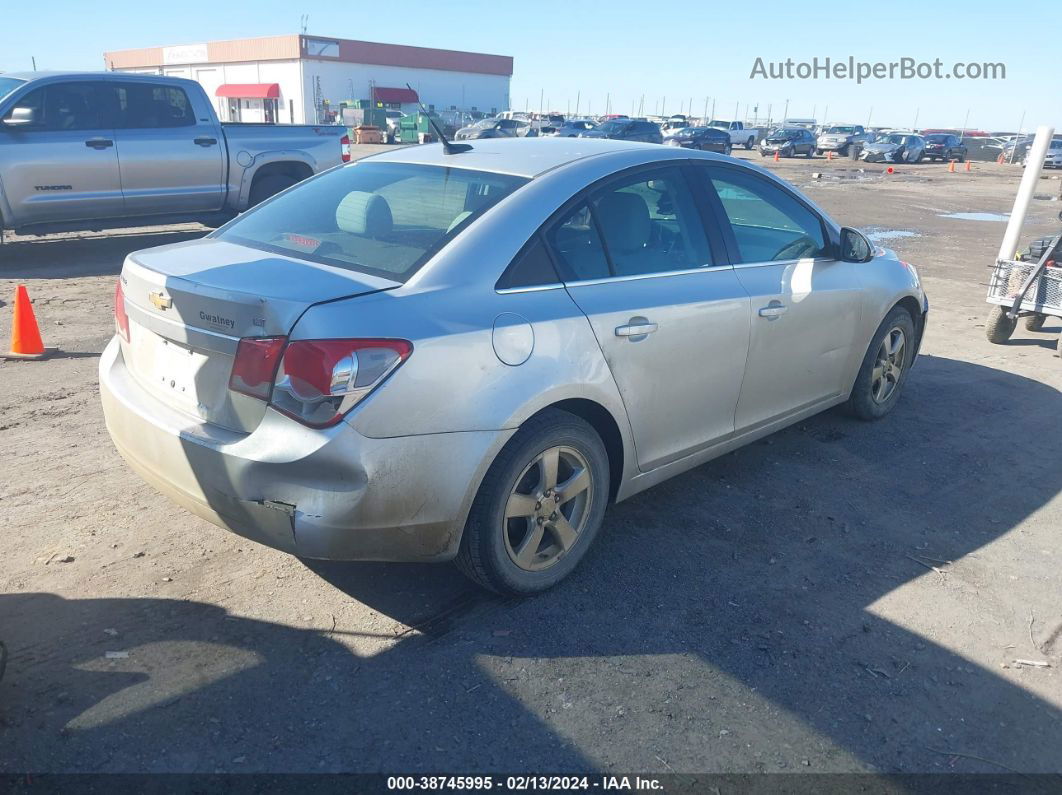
[889,234]
[1004,217]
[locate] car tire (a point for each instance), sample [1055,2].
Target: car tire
[728,148]
[999,327]
[885,366]
[262,189]
[750,142]
[492,544]
[844,151]
[810,153]
[1035,322]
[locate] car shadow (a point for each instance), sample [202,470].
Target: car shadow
[730,618]
[102,254]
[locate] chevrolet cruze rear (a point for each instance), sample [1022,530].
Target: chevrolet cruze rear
[425,356]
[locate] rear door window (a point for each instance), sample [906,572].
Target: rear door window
[146,106]
[650,224]
[577,246]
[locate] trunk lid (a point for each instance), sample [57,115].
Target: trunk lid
[190,303]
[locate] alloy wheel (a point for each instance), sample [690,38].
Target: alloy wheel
[548,508]
[888,365]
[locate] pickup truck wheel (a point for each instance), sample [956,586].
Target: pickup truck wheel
[750,142]
[539,507]
[268,186]
[728,148]
[999,327]
[884,369]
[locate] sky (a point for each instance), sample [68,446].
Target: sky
[631,54]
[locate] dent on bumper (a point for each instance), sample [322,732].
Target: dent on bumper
[331,494]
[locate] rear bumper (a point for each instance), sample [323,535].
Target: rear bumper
[331,494]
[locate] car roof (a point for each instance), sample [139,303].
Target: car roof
[522,157]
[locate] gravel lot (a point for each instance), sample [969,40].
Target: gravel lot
[775,610]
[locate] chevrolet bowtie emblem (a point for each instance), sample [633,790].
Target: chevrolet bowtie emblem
[160,301]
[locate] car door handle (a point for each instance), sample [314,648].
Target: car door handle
[636,329]
[99,143]
[773,311]
[206,141]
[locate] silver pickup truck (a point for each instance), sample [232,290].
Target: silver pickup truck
[92,150]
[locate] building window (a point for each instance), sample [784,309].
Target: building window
[325,47]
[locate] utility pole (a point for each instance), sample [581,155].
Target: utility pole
[737,106]
[578,96]
[870,115]
[641,106]
[608,102]
[541,97]
[964,123]
[769,107]
[1015,147]
[663,106]
[826,116]
[915,125]
[706,119]
[785,113]
[713,108]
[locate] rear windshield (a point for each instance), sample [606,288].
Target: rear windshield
[384,219]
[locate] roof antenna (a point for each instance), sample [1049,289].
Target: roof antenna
[448,147]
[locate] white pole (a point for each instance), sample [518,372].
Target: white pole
[1026,189]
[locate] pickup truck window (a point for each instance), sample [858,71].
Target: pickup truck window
[70,106]
[9,84]
[144,106]
[385,219]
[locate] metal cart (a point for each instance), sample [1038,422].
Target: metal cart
[1026,288]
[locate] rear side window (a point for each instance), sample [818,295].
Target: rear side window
[532,267]
[385,219]
[144,106]
[768,223]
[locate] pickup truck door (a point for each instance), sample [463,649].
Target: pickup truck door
[170,150]
[62,165]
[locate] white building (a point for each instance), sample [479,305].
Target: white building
[303,79]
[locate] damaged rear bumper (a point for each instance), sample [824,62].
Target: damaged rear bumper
[329,494]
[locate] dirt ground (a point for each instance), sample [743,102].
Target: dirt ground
[841,596]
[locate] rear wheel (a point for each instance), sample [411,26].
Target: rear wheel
[539,507]
[999,327]
[811,152]
[728,148]
[750,142]
[1035,322]
[884,369]
[268,186]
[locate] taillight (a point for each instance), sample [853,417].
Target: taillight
[121,317]
[256,365]
[321,380]
[344,148]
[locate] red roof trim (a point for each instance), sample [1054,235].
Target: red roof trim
[249,90]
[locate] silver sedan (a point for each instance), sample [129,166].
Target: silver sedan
[430,356]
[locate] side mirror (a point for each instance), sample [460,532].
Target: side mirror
[855,247]
[21,117]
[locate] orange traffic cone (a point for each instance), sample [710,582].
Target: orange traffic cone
[776,157]
[969,166]
[951,166]
[999,159]
[25,336]
[829,155]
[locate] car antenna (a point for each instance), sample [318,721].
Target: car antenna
[449,147]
